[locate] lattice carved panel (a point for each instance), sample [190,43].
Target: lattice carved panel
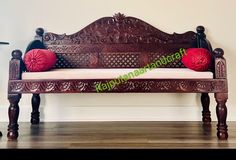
[120,60]
[73,60]
[153,57]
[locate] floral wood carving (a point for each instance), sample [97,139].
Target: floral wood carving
[71,86]
[15,69]
[119,17]
[220,68]
[120,35]
[118,29]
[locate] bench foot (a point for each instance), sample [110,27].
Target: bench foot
[13,113]
[35,101]
[12,135]
[206,114]
[221,111]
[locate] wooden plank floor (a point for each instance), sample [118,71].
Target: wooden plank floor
[118,135]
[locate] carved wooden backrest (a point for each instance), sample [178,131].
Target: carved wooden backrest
[116,42]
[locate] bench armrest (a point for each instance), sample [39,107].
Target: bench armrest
[16,65]
[219,64]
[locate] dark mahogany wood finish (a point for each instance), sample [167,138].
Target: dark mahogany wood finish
[206,114]
[118,42]
[35,101]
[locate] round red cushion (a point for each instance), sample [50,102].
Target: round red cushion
[197,59]
[37,60]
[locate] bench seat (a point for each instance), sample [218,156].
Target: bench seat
[158,73]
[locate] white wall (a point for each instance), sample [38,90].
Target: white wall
[19,19]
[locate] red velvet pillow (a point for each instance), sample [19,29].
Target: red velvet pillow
[197,59]
[37,60]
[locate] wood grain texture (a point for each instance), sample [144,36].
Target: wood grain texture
[169,135]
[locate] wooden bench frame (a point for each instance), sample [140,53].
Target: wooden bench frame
[118,42]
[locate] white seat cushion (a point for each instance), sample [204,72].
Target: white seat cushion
[157,73]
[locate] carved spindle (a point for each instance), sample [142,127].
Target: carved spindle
[219,53]
[200,31]
[39,31]
[39,34]
[206,114]
[37,42]
[202,42]
[16,54]
[221,111]
[13,113]
[221,98]
[35,101]
[205,100]
[201,37]
[16,68]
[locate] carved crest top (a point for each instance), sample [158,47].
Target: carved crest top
[118,29]
[119,17]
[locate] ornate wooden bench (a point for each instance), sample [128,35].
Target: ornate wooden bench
[116,42]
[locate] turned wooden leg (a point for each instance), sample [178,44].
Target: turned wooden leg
[221,111]
[35,101]
[13,113]
[206,114]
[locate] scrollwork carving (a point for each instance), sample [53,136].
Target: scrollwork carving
[50,86]
[115,36]
[17,86]
[65,86]
[81,86]
[133,85]
[183,85]
[118,29]
[33,86]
